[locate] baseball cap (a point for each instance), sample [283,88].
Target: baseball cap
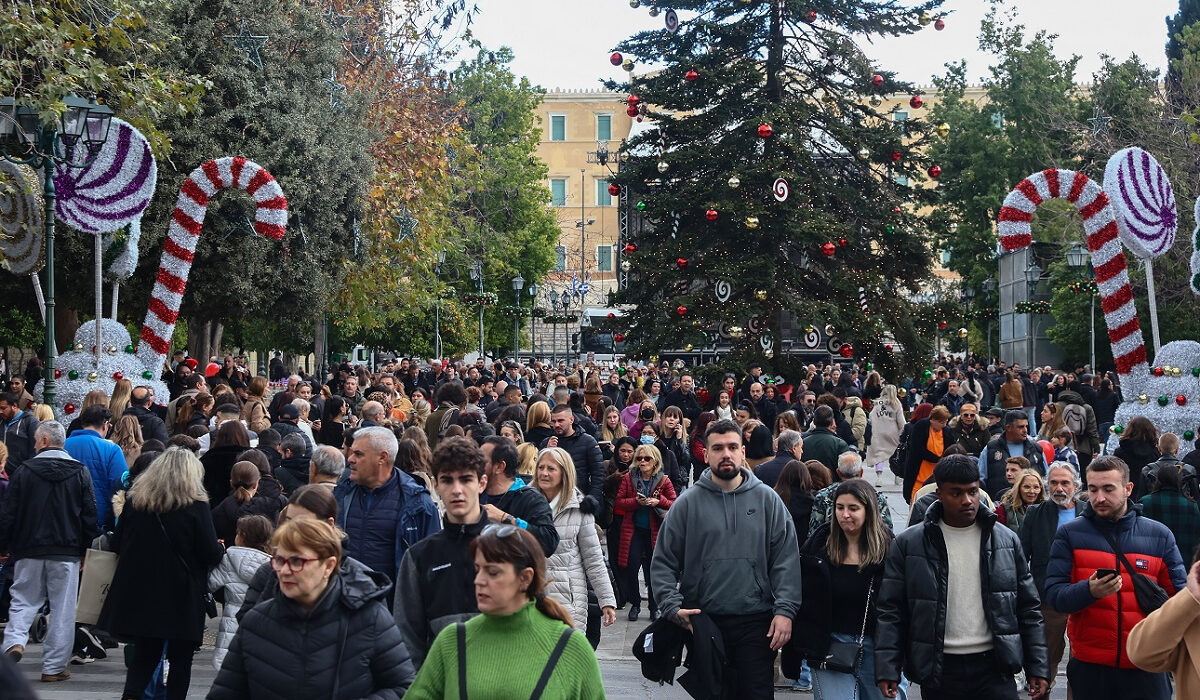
[289,412]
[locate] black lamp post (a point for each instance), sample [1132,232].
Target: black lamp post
[1033,275]
[1077,258]
[518,283]
[989,286]
[27,140]
[533,292]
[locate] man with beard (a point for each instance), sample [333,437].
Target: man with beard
[739,565]
[1085,579]
[1037,534]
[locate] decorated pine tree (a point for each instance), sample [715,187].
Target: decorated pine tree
[772,188]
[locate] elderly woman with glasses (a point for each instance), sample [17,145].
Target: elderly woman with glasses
[643,499]
[328,632]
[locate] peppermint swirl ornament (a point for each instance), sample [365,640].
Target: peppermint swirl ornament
[113,189]
[22,249]
[781,190]
[1143,201]
[724,290]
[671,20]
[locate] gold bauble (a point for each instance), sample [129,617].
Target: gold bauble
[864,153]
[876,100]
[93,376]
[654,359]
[663,166]
[751,222]
[901,392]
[736,332]
[687,348]
[627,64]
[653,11]
[925,19]
[734,182]
[962,332]
[768,353]
[1143,399]
[943,129]
[760,294]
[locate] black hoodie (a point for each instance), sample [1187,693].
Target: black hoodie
[49,510]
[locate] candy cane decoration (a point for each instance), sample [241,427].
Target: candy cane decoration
[1108,258]
[179,248]
[862,301]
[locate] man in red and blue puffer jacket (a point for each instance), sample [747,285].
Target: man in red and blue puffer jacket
[1103,609]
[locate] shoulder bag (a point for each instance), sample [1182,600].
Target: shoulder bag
[1150,596]
[843,657]
[461,634]
[206,598]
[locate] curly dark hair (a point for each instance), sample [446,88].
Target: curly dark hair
[457,454]
[452,392]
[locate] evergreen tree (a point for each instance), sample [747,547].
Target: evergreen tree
[752,91]
[1189,14]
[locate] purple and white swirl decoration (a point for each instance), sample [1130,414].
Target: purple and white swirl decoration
[1143,201]
[114,189]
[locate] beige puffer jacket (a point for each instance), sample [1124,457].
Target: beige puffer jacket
[577,560]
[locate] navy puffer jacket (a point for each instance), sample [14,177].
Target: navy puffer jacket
[346,647]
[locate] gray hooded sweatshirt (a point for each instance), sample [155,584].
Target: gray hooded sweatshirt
[727,553]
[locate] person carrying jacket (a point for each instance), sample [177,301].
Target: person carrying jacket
[327,635]
[1103,609]
[104,459]
[1014,442]
[47,519]
[928,440]
[957,611]
[436,584]
[728,549]
[1037,535]
[585,453]
[19,427]
[383,510]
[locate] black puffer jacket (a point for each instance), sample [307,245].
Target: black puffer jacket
[911,626]
[347,647]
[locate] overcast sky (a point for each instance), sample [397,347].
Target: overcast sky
[566,43]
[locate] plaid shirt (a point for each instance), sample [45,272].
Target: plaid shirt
[1181,515]
[822,508]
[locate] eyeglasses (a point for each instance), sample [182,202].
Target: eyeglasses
[293,564]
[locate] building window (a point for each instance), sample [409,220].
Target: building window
[558,191]
[900,180]
[900,117]
[560,258]
[604,258]
[558,127]
[604,127]
[603,198]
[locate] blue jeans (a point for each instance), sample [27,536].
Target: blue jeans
[833,685]
[1032,413]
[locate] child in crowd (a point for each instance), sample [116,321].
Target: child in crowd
[1063,452]
[234,573]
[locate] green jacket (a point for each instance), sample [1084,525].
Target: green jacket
[823,445]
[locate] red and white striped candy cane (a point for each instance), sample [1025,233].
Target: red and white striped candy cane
[1108,258]
[179,248]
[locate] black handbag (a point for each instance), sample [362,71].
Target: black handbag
[843,657]
[1150,596]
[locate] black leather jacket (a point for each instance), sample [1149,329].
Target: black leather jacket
[911,626]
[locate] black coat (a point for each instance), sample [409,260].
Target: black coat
[918,452]
[292,472]
[49,509]
[152,593]
[226,514]
[814,621]
[346,647]
[1037,534]
[1137,454]
[218,468]
[911,624]
[589,467]
[153,427]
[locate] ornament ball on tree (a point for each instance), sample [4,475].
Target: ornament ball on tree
[877,80]
[935,171]
[846,351]
[616,58]
[614,189]
[682,263]
[691,76]
[916,102]
[939,25]
[828,249]
[630,248]
[809,17]
[711,215]
[897,156]
[765,131]
[681,310]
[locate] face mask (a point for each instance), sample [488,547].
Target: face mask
[646,414]
[647,439]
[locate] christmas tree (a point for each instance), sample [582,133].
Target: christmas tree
[770,183]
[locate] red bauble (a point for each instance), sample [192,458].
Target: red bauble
[630,248]
[69,408]
[896,210]
[1158,371]
[916,102]
[887,347]
[118,376]
[846,351]
[939,25]
[843,242]
[619,338]
[1181,400]
[614,189]
[616,59]
[633,100]
[691,76]
[58,374]
[897,156]
[877,80]
[632,111]
[681,310]
[681,262]
[765,131]
[828,249]
[711,215]
[639,118]
[941,325]
[611,315]
[810,17]
[935,171]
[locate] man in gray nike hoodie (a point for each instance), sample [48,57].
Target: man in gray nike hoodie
[728,549]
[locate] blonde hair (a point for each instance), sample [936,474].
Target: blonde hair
[611,434]
[653,452]
[43,412]
[175,479]
[538,415]
[566,465]
[95,397]
[527,456]
[1012,497]
[127,434]
[120,397]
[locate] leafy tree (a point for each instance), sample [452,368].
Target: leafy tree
[856,178]
[1188,15]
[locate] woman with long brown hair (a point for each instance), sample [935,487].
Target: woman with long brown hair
[254,411]
[1138,447]
[516,615]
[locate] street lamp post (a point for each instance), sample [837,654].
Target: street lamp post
[1033,275]
[1077,258]
[477,275]
[437,306]
[533,292]
[554,326]
[518,283]
[968,298]
[989,286]
[83,123]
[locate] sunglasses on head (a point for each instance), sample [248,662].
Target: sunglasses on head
[506,531]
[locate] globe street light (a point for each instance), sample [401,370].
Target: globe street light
[518,283]
[42,146]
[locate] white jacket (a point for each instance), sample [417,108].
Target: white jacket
[233,574]
[577,561]
[886,425]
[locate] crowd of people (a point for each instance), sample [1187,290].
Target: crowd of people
[401,531]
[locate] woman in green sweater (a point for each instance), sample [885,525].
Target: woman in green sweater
[510,584]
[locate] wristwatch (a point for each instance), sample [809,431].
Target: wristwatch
[509,519]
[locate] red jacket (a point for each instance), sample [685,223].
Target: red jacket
[1098,628]
[626,504]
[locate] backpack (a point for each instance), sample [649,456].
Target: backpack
[1075,418]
